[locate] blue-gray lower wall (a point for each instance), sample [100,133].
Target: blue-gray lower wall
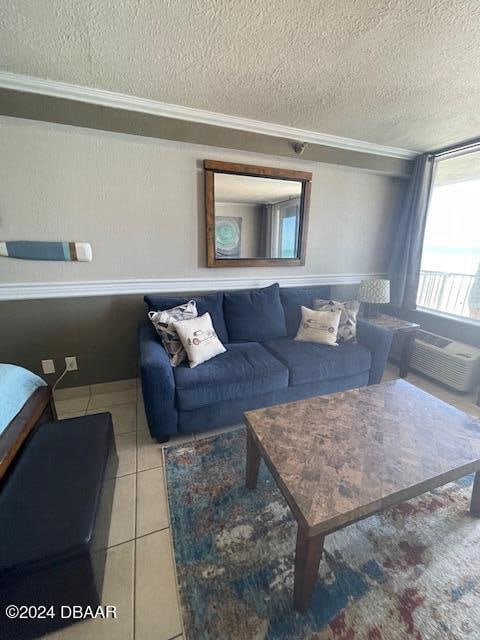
[100,331]
[461,330]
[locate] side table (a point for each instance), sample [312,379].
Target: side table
[407,331]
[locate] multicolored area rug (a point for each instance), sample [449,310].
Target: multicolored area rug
[410,572]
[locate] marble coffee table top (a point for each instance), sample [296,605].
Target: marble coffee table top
[341,457]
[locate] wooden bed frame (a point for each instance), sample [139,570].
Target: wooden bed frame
[38,408]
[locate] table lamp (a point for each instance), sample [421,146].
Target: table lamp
[372,293]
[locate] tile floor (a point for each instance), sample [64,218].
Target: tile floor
[140,574]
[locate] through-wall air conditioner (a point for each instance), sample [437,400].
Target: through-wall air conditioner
[452,363]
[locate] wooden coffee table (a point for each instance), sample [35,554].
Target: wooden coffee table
[343,457]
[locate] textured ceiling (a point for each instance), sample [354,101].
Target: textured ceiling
[459,169]
[402,73]
[253,190]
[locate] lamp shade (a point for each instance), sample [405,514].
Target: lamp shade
[376,291]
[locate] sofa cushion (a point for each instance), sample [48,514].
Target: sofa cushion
[163,323]
[320,327]
[347,328]
[254,315]
[199,339]
[293,299]
[308,362]
[211,303]
[245,369]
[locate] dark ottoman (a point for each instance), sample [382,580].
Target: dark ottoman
[55,507]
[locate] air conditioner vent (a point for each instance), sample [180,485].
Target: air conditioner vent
[431,338]
[452,363]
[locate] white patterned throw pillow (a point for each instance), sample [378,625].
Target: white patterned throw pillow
[347,329]
[163,323]
[318,326]
[199,339]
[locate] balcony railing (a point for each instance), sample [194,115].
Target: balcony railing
[447,292]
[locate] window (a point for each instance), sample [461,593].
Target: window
[283,229]
[450,268]
[289,231]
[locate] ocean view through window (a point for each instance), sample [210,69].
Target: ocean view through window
[450,268]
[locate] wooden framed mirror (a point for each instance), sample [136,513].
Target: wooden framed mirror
[256,216]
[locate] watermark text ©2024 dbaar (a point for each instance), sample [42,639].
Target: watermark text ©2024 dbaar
[74,612]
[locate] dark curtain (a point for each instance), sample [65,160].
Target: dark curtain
[262,235]
[404,271]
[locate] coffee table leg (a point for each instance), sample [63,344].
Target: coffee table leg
[307,559]
[475,502]
[253,462]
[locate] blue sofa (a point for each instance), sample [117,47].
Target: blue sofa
[263,365]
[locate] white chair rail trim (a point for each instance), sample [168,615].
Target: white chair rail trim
[39,290]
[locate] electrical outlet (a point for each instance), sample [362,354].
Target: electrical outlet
[48,366]
[71,363]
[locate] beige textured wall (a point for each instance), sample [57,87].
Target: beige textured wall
[139,202]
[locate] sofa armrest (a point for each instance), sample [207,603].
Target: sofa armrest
[378,340]
[158,384]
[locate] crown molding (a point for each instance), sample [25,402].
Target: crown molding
[67,91]
[45,290]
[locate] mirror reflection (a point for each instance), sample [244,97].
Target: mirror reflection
[256,217]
